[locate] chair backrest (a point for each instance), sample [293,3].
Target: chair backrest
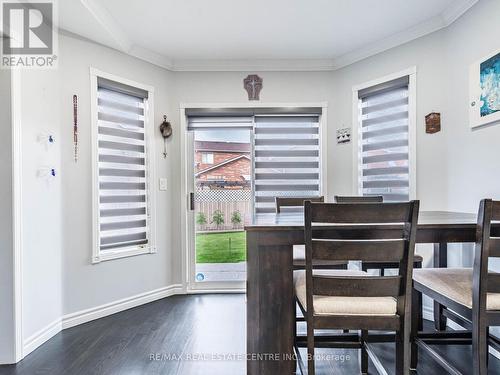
[359,199]
[486,246]
[295,203]
[379,232]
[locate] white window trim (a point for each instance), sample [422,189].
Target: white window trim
[97,256]
[412,129]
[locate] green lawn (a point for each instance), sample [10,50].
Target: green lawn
[225,247]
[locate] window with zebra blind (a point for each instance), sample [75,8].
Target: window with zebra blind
[123,197]
[384,140]
[286,159]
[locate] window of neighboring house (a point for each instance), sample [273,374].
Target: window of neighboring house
[123,197]
[384,157]
[207,158]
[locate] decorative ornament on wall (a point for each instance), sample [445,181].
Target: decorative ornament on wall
[253,85]
[484,81]
[343,135]
[166,132]
[433,123]
[75,127]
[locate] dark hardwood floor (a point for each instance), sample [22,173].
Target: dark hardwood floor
[151,339]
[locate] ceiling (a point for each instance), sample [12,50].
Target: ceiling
[257,34]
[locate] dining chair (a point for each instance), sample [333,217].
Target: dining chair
[381,267]
[296,204]
[353,299]
[471,297]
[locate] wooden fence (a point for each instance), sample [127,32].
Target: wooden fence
[207,202]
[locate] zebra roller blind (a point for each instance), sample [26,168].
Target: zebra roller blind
[286,159]
[383,140]
[122,165]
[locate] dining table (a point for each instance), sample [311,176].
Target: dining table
[271,315]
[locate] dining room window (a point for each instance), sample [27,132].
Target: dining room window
[286,159]
[384,140]
[123,197]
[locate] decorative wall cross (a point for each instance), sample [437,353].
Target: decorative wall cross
[253,85]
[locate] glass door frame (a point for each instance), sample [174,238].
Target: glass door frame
[187,256]
[192,284]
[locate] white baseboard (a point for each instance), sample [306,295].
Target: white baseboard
[97,312]
[215,291]
[84,316]
[428,314]
[40,337]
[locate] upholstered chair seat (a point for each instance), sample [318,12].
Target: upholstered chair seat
[453,283]
[333,305]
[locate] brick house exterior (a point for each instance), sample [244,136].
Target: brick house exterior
[223,165]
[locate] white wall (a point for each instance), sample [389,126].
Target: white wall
[426,54]
[41,202]
[473,169]
[6,228]
[86,285]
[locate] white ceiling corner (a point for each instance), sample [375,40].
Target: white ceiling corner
[151,56]
[118,38]
[106,20]
[446,18]
[456,10]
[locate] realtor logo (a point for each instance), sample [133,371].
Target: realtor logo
[29,34]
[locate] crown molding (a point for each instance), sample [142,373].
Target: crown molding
[107,21]
[441,21]
[238,65]
[123,44]
[151,57]
[427,27]
[456,10]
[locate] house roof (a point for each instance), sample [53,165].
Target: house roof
[216,166]
[222,146]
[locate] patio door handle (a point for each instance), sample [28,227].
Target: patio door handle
[191,201]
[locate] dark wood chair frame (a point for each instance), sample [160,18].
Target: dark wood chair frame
[365,266]
[339,240]
[298,202]
[476,320]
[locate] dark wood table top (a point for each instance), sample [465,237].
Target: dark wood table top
[426,220]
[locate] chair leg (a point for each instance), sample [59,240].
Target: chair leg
[295,325]
[416,323]
[402,352]
[418,300]
[310,349]
[363,360]
[479,347]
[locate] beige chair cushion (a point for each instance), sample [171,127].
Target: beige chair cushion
[326,305]
[453,283]
[299,258]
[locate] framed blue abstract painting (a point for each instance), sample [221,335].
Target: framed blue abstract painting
[484,107]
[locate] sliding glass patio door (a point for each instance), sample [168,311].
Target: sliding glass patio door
[238,165]
[221,201]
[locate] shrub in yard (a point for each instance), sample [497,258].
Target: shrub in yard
[218,218]
[201,218]
[236,218]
